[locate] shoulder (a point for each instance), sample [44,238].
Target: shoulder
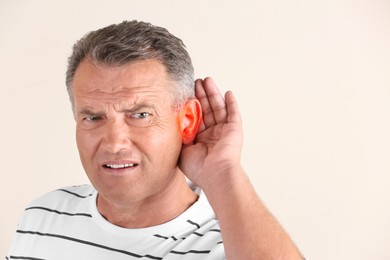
[71,198]
[55,214]
[68,193]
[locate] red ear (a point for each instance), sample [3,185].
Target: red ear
[190,118]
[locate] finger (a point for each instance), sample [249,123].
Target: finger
[216,100]
[201,95]
[234,115]
[202,126]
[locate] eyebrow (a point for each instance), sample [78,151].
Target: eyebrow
[136,107]
[88,111]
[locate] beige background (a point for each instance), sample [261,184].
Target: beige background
[312,79]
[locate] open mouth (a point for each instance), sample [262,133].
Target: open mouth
[119,166]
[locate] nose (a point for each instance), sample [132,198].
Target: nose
[116,136]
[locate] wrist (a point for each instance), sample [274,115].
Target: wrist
[223,179]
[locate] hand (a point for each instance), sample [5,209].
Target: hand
[216,149]
[212,161]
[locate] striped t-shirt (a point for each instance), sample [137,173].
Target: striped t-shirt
[65,224]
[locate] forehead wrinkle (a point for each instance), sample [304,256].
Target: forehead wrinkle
[122,104]
[123,92]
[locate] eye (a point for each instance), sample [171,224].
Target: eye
[141,115]
[92,118]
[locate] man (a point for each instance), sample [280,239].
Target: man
[143,128]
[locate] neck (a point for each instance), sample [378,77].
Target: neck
[165,205]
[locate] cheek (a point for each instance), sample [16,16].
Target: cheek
[164,141]
[161,139]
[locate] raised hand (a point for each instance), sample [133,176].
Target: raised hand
[217,147]
[212,162]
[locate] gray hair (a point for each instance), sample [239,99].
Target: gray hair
[132,41]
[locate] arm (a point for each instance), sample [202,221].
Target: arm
[249,231]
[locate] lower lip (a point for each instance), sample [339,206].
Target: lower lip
[120,171]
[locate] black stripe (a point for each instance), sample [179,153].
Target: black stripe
[211,230]
[190,252]
[196,224]
[193,223]
[24,257]
[160,236]
[75,194]
[88,243]
[60,212]
[194,233]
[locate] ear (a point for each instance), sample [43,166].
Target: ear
[190,119]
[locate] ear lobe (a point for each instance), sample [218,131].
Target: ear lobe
[191,116]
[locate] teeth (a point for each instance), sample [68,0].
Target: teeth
[119,166]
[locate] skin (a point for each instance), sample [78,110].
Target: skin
[207,149]
[127,115]
[248,229]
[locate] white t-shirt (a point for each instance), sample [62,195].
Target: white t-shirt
[65,224]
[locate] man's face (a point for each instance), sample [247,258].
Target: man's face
[128,132]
